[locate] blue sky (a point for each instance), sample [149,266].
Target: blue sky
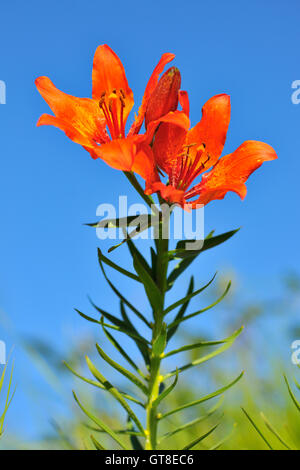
[50,186]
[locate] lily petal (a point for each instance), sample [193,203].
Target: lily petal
[108,75]
[211,131]
[165,59]
[144,165]
[231,172]
[184,101]
[130,154]
[168,144]
[80,118]
[178,119]
[168,193]
[118,153]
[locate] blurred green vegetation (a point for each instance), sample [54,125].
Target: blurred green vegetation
[262,411]
[6,395]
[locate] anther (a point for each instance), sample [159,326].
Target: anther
[110,104]
[207,160]
[190,145]
[122,101]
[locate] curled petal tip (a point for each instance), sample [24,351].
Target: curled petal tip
[168,55]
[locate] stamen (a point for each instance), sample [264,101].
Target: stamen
[197,172]
[122,117]
[109,123]
[113,110]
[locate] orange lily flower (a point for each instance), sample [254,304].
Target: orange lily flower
[186,154]
[98,124]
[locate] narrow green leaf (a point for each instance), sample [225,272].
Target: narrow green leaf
[86,317]
[203,399]
[221,442]
[125,432]
[178,270]
[141,345]
[191,315]
[257,429]
[172,329]
[100,423]
[9,396]
[119,348]
[153,263]
[202,344]
[209,242]
[122,370]
[296,403]
[297,384]
[210,235]
[188,297]
[84,379]
[136,445]
[116,267]
[131,235]
[132,220]
[116,321]
[193,422]
[165,393]
[160,342]
[201,438]
[97,444]
[152,291]
[273,431]
[2,377]
[115,393]
[226,345]
[136,254]
[201,360]
[121,297]
[121,328]
[99,385]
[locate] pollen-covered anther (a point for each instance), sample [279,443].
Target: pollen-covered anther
[201,148]
[189,145]
[102,99]
[122,101]
[206,161]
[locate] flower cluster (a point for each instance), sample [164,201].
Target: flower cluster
[167,154]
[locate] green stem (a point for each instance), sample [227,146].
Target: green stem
[154,381]
[132,179]
[162,246]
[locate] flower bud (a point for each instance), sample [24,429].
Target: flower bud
[165,96]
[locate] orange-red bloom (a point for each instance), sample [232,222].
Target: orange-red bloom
[98,124]
[185,154]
